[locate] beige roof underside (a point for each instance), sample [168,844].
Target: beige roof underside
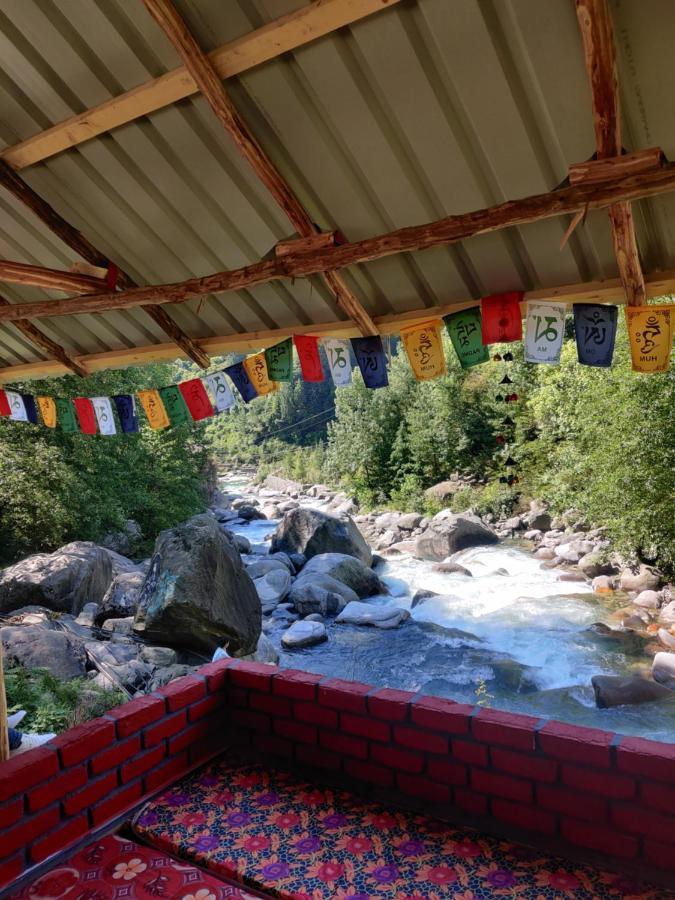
[425,109]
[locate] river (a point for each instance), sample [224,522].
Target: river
[512,637]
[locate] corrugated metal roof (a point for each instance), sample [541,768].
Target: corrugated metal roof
[425,109]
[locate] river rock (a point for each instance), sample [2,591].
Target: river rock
[387,616]
[617,690]
[162,677]
[312,532]
[34,646]
[320,594]
[121,598]
[648,600]
[667,613]
[448,567]
[538,519]
[244,501]
[449,532]
[160,657]
[640,578]
[594,564]
[603,584]
[197,593]
[304,634]
[572,576]
[265,652]
[272,588]
[119,626]
[282,485]
[264,566]
[512,524]
[126,540]
[443,491]
[544,553]
[346,569]
[250,513]
[421,595]
[88,614]
[663,669]
[63,581]
[409,521]
[666,639]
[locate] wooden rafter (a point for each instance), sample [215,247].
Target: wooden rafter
[211,86]
[600,57]
[40,339]
[74,239]
[448,230]
[49,279]
[280,36]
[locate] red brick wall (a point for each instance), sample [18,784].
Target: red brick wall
[586,788]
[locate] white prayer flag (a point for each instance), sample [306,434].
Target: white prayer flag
[544,332]
[104,415]
[223,398]
[17,406]
[339,363]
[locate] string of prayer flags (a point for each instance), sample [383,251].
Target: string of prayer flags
[154,409]
[65,416]
[279,359]
[85,414]
[339,363]
[256,369]
[104,415]
[424,348]
[544,332]
[595,332]
[242,382]
[307,346]
[4,404]
[466,333]
[501,321]
[47,411]
[126,410]
[372,361]
[650,336]
[17,409]
[175,406]
[196,398]
[223,398]
[31,408]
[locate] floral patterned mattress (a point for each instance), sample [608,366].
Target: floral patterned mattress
[294,840]
[114,867]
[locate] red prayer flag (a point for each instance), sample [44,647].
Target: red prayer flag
[308,353]
[4,404]
[502,320]
[85,414]
[196,399]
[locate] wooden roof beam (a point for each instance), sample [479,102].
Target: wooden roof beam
[40,339]
[417,237]
[49,279]
[211,86]
[597,35]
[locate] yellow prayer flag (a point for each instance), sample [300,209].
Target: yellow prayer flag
[154,409]
[47,411]
[425,349]
[256,369]
[650,334]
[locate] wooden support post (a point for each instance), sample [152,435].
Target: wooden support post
[207,79]
[37,337]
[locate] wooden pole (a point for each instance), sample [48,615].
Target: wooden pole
[4,727]
[49,279]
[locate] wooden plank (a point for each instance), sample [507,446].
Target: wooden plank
[280,36]
[303,245]
[448,230]
[49,279]
[614,166]
[211,86]
[607,291]
[37,337]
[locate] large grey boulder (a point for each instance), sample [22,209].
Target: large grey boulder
[594,564]
[282,485]
[126,540]
[449,532]
[617,690]
[34,646]
[121,598]
[272,588]
[63,581]
[197,593]
[640,578]
[347,569]
[443,491]
[663,669]
[304,634]
[311,532]
[539,519]
[321,594]
[387,616]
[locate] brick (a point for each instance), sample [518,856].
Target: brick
[424,788]
[369,772]
[315,715]
[253,721]
[580,806]
[253,676]
[164,729]
[504,729]
[190,736]
[215,674]
[403,760]
[659,855]
[390,704]
[279,707]
[468,752]
[364,727]
[95,790]
[237,697]
[598,781]
[26,770]
[637,820]
[168,771]
[56,788]
[441,715]
[31,828]
[116,804]
[535,767]
[318,757]
[296,684]
[83,741]
[576,744]
[275,746]
[10,869]
[142,763]
[182,692]
[597,837]
[296,731]
[446,771]
[344,744]
[136,714]
[421,740]
[11,812]
[649,758]
[501,785]
[206,706]
[660,796]
[471,802]
[345,695]
[115,756]
[60,839]
[528,817]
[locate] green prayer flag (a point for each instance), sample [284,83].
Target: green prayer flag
[279,359]
[174,404]
[464,328]
[65,416]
